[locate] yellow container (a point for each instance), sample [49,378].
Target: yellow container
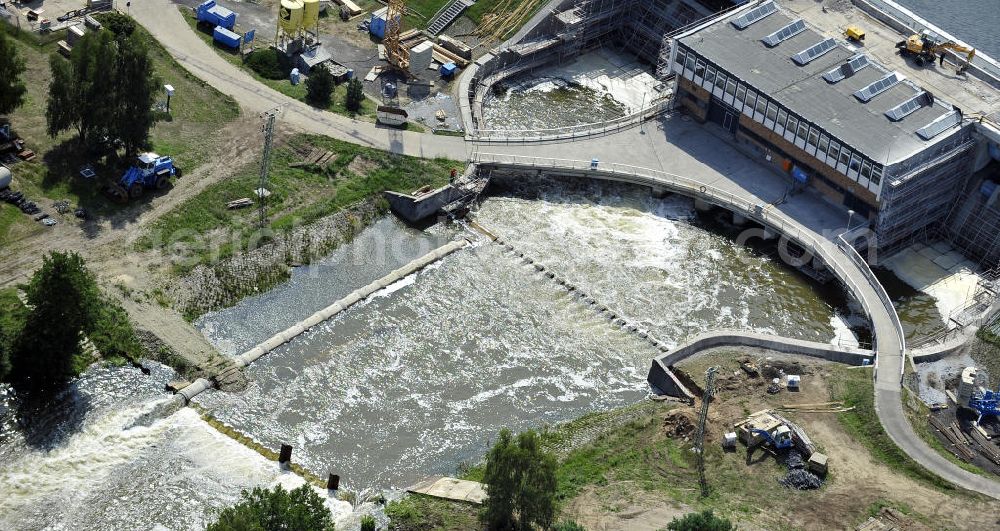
[290,15]
[310,13]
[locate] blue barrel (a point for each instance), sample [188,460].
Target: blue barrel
[294,77]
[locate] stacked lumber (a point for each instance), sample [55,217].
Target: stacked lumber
[988,449]
[959,446]
[315,157]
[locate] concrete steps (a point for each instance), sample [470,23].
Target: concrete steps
[447,15]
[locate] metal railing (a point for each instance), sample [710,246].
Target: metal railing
[503,136]
[823,248]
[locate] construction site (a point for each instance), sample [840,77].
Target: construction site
[739,256]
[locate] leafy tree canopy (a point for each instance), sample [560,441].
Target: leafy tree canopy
[276,509]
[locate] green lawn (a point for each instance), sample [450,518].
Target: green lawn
[299,195]
[854,388]
[198,112]
[284,86]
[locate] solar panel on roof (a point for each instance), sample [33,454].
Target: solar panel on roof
[866,94]
[848,69]
[817,50]
[785,33]
[908,107]
[756,14]
[939,125]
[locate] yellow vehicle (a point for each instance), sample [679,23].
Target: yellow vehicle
[924,48]
[855,33]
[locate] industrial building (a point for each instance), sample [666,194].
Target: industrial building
[834,119]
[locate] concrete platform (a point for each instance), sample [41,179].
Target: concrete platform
[451,489]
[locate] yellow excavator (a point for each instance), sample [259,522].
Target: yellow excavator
[924,48]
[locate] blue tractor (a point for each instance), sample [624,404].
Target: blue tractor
[150,171]
[986,403]
[780,440]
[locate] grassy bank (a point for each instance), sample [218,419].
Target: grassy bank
[854,388]
[198,113]
[284,86]
[300,195]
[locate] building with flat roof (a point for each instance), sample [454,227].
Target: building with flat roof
[829,114]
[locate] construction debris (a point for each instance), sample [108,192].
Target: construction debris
[239,203]
[800,479]
[679,423]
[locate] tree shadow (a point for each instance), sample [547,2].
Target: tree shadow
[48,418]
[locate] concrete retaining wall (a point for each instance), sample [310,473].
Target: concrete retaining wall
[662,378]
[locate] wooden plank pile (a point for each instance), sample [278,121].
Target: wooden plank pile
[959,443]
[315,157]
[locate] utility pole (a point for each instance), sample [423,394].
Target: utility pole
[265,166]
[699,440]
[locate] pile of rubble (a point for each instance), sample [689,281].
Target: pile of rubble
[679,423]
[798,477]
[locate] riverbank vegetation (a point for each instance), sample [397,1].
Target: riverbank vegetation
[65,325]
[300,509]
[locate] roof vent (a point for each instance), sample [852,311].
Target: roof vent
[938,126]
[866,94]
[811,53]
[848,69]
[785,33]
[754,15]
[909,106]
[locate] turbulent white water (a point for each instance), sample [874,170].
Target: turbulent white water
[418,381]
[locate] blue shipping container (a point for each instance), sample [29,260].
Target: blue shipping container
[226,37]
[216,15]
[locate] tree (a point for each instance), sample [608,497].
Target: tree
[61,112]
[63,298]
[106,91]
[319,87]
[703,521]
[137,86]
[520,483]
[276,509]
[355,95]
[12,87]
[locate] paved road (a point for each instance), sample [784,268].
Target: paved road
[673,145]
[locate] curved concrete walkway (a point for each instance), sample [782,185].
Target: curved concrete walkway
[630,155]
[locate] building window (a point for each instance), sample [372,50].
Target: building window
[813,138]
[824,145]
[751,100]
[681,55]
[845,156]
[791,126]
[761,105]
[690,62]
[741,96]
[772,111]
[731,87]
[803,130]
[855,164]
[834,151]
[710,78]
[866,170]
[876,175]
[779,126]
[720,81]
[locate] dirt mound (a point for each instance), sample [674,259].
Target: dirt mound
[680,423]
[779,368]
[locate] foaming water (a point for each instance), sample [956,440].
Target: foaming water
[418,381]
[106,455]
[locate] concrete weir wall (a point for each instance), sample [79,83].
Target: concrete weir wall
[275,341]
[663,379]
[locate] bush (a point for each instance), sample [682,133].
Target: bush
[319,87]
[273,510]
[520,480]
[367,523]
[267,63]
[355,95]
[703,521]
